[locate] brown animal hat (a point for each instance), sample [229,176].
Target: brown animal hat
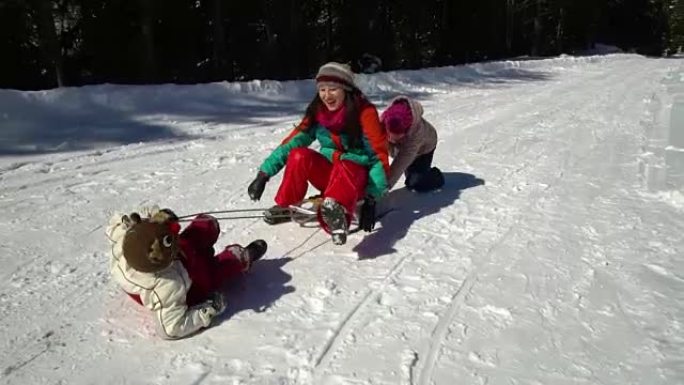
[150,247]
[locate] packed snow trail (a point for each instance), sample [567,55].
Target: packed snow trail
[550,257]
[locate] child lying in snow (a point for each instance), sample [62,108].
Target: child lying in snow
[175,275]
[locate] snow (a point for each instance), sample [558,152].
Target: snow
[553,255]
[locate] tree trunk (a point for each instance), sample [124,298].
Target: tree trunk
[536,39]
[147,58]
[47,33]
[559,30]
[219,55]
[510,18]
[445,48]
[328,28]
[676,27]
[295,38]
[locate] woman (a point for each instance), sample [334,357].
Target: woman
[353,161]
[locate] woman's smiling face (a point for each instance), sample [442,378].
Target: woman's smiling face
[332,95]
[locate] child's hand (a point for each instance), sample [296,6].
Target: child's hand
[213,306]
[256,188]
[218,302]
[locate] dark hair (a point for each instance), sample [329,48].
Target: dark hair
[354,100]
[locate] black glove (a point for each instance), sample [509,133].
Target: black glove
[213,306]
[256,188]
[367,219]
[218,302]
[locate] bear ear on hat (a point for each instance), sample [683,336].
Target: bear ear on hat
[131,219]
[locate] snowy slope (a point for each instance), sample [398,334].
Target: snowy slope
[552,256]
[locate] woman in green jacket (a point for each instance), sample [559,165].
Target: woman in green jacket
[352,163]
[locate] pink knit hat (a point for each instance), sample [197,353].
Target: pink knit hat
[397,118]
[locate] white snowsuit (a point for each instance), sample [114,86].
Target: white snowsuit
[163,292]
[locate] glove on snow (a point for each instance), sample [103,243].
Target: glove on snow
[367,219]
[256,188]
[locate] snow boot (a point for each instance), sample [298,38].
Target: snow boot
[255,250]
[432,180]
[335,218]
[276,215]
[247,255]
[435,178]
[250,254]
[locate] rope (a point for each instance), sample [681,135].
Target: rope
[227,218]
[222,212]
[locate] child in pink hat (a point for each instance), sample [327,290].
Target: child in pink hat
[412,143]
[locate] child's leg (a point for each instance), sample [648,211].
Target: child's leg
[230,263]
[418,169]
[202,233]
[420,176]
[430,181]
[346,186]
[303,165]
[200,267]
[209,274]
[196,243]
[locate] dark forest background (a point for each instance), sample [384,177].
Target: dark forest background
[55,43]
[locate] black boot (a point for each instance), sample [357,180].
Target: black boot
[255,250]
[334,216]
[431,180]
[276,215]
[436,178]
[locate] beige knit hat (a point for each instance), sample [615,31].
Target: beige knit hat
[150,247]
[334,72]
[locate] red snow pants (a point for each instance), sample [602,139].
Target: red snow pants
[342,180]
[207,272]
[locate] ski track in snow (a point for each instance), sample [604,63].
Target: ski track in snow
[344,329]
[552,271]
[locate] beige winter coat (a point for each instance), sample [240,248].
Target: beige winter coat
[163,292]
[420,139]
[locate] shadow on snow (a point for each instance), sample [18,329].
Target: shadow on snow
[91,117]
[260,289]
[408,207]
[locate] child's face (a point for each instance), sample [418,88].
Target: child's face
[395,138]
[332,96]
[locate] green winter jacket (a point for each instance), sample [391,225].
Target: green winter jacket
[373,153]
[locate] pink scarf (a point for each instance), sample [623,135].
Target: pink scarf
[332,120]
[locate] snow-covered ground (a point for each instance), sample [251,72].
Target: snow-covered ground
[553,255]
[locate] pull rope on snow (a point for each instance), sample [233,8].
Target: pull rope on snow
[222,212]
[292,210]
[192,217]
